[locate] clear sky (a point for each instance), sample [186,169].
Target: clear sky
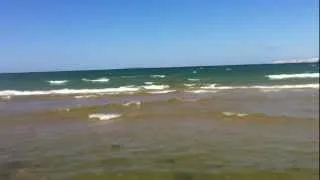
[41,35]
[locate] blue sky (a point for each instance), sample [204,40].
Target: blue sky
[38,35]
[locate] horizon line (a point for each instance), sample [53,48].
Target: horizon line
[158,67]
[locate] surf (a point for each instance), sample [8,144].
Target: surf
[292,76]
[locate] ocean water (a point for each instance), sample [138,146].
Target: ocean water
[144,79]
[188,123]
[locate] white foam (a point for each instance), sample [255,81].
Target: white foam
[130,103]
[131,86]
[100,80]
[296,86]
[85,96]
[201,91]
[269,90]
[214,86]
[293,76]
[158,76]
[155,87]
[241,114]
[103,117]
[122,89]
[6,97]
[194,72]
[228,113]
[148,83]
[234,114]
[57,82]
[190,79]
[132,89]
[211,86]
[161,92]
[189,85]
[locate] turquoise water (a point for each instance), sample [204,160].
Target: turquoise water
[178,77]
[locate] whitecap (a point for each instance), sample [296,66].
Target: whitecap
[158,76]
[293,76]
[155,87]
[57,82]
[103,117]
[99,80]
[148,83]
[194,72]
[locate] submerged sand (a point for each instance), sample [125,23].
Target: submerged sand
[229,135]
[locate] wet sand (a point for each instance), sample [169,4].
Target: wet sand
[168,136]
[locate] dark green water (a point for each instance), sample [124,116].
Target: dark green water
[240,75]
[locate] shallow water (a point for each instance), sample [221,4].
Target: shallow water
[170,136]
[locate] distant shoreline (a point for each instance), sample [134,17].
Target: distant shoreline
[311,60]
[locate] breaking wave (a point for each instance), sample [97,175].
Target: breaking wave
[293,76]
[152,89]
[68,91]
[156,87]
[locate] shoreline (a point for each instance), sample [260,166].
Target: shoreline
[287,102]
[236,133]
